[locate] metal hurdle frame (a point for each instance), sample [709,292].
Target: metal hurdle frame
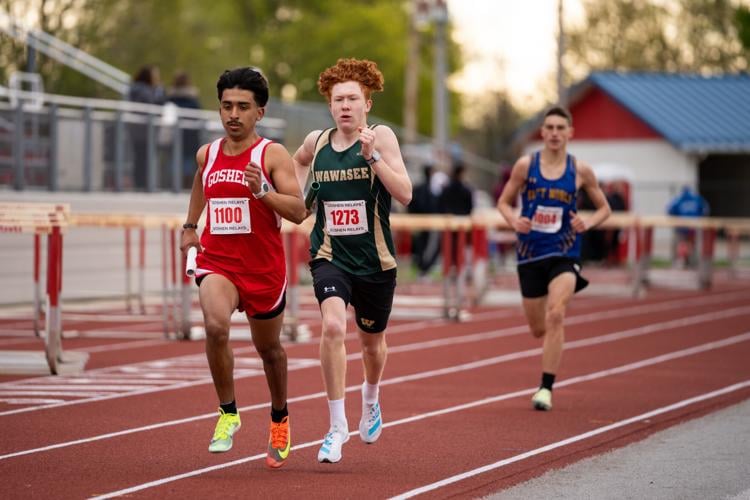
[52,220]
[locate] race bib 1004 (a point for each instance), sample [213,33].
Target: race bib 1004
[229,215]
[344,218]
[547,219]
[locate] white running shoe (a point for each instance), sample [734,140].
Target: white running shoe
[371,423]
[542,400]
[330,450]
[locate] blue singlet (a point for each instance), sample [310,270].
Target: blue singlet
[548,203]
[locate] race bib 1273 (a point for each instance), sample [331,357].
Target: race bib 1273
[344,218]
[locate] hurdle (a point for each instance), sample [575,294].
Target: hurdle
[39,219]
[175,293]
[706,231]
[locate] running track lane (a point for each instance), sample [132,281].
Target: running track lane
[497,429]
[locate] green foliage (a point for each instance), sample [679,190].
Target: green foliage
[644,35]
[742,21]
[291,41]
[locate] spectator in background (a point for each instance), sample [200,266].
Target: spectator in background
[617,202]
[686,204]
[504,241]
[184,95]
[146,88]
[503,177]
[425,244]
[593,242]
[457,198]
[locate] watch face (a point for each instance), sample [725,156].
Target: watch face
[264,187]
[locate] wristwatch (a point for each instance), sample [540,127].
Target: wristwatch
[373,159]
[264,189]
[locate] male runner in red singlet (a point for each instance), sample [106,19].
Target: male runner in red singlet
[248,183]
[549,242]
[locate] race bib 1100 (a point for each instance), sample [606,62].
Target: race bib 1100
[229,215]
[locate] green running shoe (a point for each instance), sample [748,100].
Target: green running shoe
[228,424]
[542,400]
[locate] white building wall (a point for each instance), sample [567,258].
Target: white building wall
[656,170]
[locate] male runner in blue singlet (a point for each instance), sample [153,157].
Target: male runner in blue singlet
[548,231]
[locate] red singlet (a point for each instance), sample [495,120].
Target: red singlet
[242,237]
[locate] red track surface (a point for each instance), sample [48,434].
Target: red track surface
[455,397]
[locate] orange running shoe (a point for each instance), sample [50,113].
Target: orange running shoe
[279,443]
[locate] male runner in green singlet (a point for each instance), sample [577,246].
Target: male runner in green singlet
[359,169]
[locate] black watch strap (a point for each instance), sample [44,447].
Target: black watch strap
[188,225]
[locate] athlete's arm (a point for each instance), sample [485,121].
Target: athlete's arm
[510,192]
[587,180]
[287,199]
[303,157]
[390,169]
[196,205]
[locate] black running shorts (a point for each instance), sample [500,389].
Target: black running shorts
[535,277]
[370,295]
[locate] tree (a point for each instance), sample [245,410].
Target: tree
[643,35]
[53,17]
[492,136]
[742,21]
[291,41]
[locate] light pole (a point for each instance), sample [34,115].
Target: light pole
[561,94]
[418,14]
[440,101]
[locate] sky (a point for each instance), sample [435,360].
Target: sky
[509,44]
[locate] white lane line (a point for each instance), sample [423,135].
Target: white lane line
[136,344]
[574,439]
[239,374]
[422,375]
[77,387]
[69,393]
[494,399]
[27,339]
[25,401]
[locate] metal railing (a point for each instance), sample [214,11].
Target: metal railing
[81,61]
[69,143]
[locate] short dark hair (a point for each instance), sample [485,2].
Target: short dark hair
[145,74]
[246,79]
[558,111]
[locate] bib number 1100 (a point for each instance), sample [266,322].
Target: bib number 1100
[227,215]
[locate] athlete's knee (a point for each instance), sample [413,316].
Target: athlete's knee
[555,316]
[333,330]
[537,324]
[271,353]
[217,330]
[375,349]
[538,330]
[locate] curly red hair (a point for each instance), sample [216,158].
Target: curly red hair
[362,71]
